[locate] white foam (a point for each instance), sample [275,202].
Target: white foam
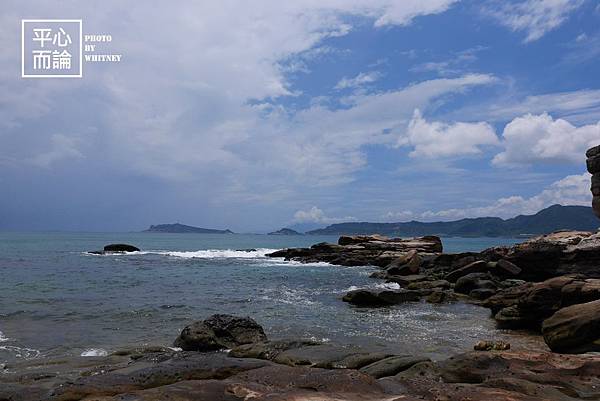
[21,352]
[384,286]
[94,352]
[218,253]
[3,338]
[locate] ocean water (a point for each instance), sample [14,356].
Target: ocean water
[57,300]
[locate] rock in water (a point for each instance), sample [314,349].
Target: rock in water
[370,298]
[220,332]
[121,248]
[574,329]
[491,346]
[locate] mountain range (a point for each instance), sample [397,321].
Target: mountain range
[553,218]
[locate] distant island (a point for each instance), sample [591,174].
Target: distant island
[552,218]
[285,231]
[183,229]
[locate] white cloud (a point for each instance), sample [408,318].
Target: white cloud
[534,17]
[316,215]
[359,80]
[571,190]
[194,121]
[581,105]
[539,138]
[453,65]
[436,139]
[403,215]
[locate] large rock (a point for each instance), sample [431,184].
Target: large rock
[375,298]
[593,167]
[121,248]
[392,365]
[574,329]
[116,248]
[474,281]
[219,332]
[479,266]
[405,265]
[362,250]
[527,305]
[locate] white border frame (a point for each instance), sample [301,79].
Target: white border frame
[23,75]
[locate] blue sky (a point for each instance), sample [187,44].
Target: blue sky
[254,116]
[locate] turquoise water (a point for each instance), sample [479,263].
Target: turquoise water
[55,299]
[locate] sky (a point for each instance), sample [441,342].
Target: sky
[258,115]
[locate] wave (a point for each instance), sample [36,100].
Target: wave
[219,253]
[20,352]
[94,352]
[376,286]
[3,338]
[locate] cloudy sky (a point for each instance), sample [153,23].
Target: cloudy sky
[257,115]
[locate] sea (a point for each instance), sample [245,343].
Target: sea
[57,300]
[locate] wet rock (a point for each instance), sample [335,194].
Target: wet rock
[391,366]
[219,332]
[269,350]
[121,248]
[527,305]
[375,298]
[491,346]
[429,285]
[405,281]
[183,366]
[574,329]
[474,281]
[482,293]
[438,297]
[116,248]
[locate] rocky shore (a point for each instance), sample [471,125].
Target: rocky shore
[231,358]
[549,285]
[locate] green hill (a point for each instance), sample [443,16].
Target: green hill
[553,218]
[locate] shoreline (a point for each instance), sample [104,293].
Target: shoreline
[255,367]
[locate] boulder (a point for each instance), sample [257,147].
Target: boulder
[482,293]
[374,298]
[391,366]
[574,329]
[121,248]
[219,332]
[504,268]
[527,305]
[406,265]
[474,281]
[439,296]
[359,239]
[479,266]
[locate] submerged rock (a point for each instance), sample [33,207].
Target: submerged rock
[374,298]
[219,332]
[117,248]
